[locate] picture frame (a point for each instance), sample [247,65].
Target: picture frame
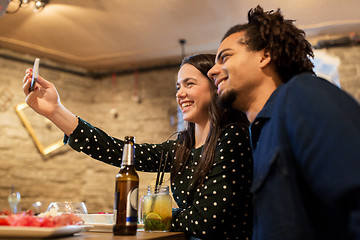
[44,150]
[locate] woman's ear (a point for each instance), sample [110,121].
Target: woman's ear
[265,58]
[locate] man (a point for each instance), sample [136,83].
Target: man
[305,132]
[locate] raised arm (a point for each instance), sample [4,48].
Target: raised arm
[45,100]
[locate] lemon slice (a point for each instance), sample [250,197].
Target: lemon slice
[153,216]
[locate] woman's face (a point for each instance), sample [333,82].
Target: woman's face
[193,94]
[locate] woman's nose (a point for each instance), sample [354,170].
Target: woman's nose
[180,93]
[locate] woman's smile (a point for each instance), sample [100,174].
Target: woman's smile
[193,94]
[185,105]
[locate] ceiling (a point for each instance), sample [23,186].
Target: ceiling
[127,34]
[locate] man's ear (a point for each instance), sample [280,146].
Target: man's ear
[265,58]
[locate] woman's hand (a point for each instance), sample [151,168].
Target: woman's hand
[44,99]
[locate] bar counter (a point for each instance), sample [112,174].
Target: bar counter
[139,235]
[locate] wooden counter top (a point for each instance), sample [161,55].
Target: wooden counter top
[139,235]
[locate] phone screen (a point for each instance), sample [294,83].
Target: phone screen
[35,74]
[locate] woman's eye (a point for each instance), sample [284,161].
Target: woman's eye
[189,83]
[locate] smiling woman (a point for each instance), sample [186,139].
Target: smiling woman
[205,159]
[193,95]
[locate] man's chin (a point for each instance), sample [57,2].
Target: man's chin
[226,99]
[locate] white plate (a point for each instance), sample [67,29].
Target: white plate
[98,227]
[97,218]
[39,232]
[87,227]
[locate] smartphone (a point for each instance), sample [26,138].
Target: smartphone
[35,74]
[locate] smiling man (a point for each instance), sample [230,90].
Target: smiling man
[305,132]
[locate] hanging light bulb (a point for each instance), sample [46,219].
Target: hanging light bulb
[15,5]
[39,5]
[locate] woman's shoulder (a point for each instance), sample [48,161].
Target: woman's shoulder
[234,129]
[234,134]
[233,143]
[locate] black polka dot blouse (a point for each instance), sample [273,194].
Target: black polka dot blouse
[218,209]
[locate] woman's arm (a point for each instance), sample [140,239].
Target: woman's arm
[45,100]
[99,145]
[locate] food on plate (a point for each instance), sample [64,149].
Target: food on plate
[5,212]
[26,219]
[4,222]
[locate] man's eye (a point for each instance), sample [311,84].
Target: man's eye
[189,83]
[224,58]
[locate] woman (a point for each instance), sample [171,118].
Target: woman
[211,164]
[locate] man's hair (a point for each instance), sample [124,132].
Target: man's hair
[286,44]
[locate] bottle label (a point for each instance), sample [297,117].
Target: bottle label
[128,155]
[132,207]
[126,203]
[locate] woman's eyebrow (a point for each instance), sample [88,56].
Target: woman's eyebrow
[186,80]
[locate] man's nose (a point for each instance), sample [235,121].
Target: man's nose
[213,72]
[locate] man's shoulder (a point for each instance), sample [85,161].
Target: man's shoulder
[306,80]
[308,93]
[307,84]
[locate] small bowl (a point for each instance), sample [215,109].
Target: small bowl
[67,207]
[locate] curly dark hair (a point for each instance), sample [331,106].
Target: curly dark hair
[285,43]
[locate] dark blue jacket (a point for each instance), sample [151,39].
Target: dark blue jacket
[306,149]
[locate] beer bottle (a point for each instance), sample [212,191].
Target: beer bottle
[126,192]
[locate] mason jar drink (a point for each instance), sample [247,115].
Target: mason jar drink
[156,209]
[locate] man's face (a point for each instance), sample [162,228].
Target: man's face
[236,72]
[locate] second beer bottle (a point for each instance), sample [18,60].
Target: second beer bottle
[126,192]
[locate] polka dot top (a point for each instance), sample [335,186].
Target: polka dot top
[218,209]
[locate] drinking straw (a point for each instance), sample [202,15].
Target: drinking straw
[158,180]
[163,171]
[158,173]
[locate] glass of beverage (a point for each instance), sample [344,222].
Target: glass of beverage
[155,209]
[67,207]
[14,200]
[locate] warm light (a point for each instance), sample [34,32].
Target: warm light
[38,4]
[17,4]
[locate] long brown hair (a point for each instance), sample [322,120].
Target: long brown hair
[218,119]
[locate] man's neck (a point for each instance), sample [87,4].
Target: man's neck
[260,98]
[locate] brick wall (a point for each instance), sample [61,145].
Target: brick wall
[66,175]
[349,68]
